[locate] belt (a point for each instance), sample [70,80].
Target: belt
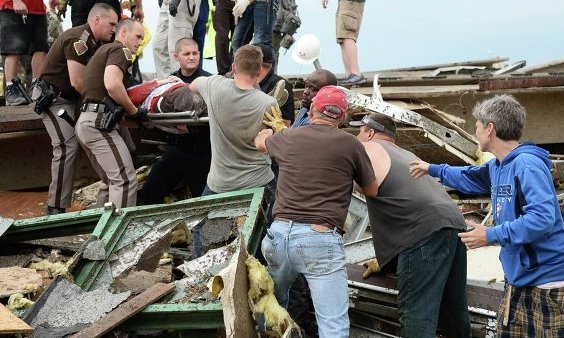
[315,227]
[93,107]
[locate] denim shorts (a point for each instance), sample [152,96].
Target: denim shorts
[17,38]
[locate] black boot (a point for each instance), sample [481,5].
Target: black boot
[55,210]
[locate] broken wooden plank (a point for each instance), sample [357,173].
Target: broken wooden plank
[15,260]
[125,311]
[521,82]
[552,67]
[486,62]
[10,324]
[19,280]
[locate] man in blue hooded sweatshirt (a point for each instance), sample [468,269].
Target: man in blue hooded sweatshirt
[528,220]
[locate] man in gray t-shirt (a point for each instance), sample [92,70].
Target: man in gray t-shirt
[235,109]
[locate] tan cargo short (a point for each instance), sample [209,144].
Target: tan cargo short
[349,18]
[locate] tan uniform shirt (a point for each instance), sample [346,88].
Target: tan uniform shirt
[114,53]
[75,44]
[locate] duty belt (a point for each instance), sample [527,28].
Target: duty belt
[93,107]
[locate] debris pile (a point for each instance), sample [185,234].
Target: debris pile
[130,254]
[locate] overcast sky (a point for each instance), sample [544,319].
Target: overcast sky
[404,33]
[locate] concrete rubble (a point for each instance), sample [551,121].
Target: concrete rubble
[65,308]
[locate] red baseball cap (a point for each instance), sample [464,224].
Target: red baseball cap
[330,96]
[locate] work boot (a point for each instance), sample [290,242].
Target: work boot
[55,210]
[280,93]
[13,96]
[352,80]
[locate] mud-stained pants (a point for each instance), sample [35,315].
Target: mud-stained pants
[170,29]
[65,149]
[160,44]
[110,158]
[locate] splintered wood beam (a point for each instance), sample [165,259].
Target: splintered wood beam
[521,82]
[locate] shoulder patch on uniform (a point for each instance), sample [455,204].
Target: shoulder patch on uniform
[84,36]
[80,47]
[127,53]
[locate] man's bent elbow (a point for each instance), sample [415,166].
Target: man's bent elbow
[370,190]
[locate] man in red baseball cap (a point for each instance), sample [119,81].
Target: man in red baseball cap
[318,164]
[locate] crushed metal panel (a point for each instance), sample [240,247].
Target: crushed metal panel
[67,224]
[448,135]
[359,251]
[173,313]
[357,219]
[443,71]
[511,68]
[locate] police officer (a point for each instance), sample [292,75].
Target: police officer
[104,97]
[62,76]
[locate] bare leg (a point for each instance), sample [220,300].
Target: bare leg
[350,57]
[11,67]
[37,62]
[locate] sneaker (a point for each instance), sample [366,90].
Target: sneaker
[36,91]
[280,93]
[14,97]
[353,79]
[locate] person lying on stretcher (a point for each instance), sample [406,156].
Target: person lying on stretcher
[168,96]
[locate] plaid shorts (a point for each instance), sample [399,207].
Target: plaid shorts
[534,312]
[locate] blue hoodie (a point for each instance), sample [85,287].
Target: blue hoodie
[528,219]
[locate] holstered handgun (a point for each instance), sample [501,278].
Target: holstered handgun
[112,114]
[48,94]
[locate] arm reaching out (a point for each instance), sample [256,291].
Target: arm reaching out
[418,168]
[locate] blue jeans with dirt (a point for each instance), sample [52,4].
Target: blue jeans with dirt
[292,248]
[432,287]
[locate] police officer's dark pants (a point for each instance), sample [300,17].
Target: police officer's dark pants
[65,148]
[110,158]
[223,23]
[173,167]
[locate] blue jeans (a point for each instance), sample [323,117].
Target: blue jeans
[261,14]
[292,248]
[269,196]
[432,287]
[200,29]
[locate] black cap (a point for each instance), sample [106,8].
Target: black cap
[267,53]
[367,121]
